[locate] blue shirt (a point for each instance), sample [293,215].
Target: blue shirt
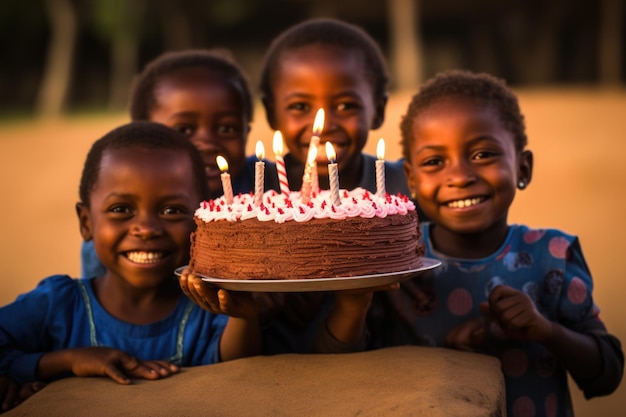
[546,264]
[62,313]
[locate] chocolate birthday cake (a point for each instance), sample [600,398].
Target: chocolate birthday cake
[282,238]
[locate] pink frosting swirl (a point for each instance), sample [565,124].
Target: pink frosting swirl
[280,208]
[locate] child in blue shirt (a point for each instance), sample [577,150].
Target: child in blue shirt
[521,294]
[140,186]
[205,95]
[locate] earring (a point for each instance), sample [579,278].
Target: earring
[521,185]
[413,195]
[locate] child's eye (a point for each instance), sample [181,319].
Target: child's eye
[229,130]
[484,154]
[347,105]
[120,211]
[300,107]
[430,162]
[175,211]
[186,130]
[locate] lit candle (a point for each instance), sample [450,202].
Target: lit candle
[280,163]
[226,184]
[333,174]
[307,178]
[318,126]
[380,168]
[259,174]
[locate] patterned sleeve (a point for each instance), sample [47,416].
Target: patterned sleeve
[23,328]
[578,312]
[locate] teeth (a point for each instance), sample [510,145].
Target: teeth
[464,203]
[144,257]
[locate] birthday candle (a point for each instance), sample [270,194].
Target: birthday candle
[226,184]
[318,126]
[380,168]
[306,179]
[259,174]
[333,174]
[280,163]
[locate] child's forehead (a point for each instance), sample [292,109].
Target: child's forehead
[193,76]
[141,158]
[321,52]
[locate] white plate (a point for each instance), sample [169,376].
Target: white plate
[318,284]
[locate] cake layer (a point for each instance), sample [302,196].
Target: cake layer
[320,248]
[283,238]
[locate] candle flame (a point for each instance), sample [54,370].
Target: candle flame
[277,143]
[260,150]
[380,149]
[318,124]
[221,163]
[330,152]
[310,160]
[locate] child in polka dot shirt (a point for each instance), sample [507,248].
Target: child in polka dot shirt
[523,295]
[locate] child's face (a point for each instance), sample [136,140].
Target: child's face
[314,77]
[463,167]
[209,111]
[141,214]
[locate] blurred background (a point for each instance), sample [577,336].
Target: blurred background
[81,55]
[66,67]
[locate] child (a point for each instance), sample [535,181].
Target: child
[205,95]
[333,65]
[464,141]
[140,186]
[336,66]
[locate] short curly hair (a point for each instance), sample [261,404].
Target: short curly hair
[217,61]
[140,135]
[481,87]
[328,32]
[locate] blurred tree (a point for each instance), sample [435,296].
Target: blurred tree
[120,21]
[405,43]
[611,46]
[174,19]
[58,69]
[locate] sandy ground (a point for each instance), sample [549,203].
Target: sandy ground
[578,137]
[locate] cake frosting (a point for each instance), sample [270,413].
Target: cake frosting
[282,238]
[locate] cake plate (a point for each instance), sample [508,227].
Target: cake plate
[318,284]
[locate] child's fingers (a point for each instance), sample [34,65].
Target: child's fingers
[9,395]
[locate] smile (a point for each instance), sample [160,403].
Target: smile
[468,202]
[144,257]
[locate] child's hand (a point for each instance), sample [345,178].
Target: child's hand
[116,364]
[515,313]
[218,301]
[11,394]
[467,336]
[358,300]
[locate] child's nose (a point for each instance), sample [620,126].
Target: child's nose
[205,140]
[460,173]
[146,227]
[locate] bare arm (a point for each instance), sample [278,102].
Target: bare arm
[517,316]
[101,361]
[242,335]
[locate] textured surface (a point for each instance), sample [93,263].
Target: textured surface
[402,381]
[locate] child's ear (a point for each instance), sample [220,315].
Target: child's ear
[379,115]
[269,112]
[525,169]
[84,221]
